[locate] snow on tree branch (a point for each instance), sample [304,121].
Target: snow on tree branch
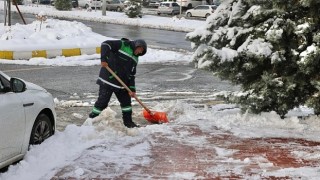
[269,47]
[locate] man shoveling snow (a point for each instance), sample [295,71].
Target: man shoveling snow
[122,57]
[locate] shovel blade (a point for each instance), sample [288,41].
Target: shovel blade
[155,117]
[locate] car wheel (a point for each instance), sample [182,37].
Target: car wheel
[159,13]
[86,6]
[118,9]
[41,130]
[189,14]
[207,15]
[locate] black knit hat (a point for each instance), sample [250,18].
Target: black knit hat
[140,43]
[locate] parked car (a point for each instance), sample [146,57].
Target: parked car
[41,1]
[168,8]
[27,117]
[73,2]
[201,11]
[189,4]
[90,4]
[154,3]
[115,5]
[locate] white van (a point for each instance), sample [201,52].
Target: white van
[191,3]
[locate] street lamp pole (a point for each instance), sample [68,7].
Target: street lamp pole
[180,7]
[7,12]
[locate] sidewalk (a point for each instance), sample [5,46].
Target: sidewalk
[248,157]
[221,156]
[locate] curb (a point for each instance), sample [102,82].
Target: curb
[15,55]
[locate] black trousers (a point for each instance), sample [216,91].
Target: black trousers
[123,97]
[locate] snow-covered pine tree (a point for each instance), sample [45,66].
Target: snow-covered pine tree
[134,9]
[269,47]
[63,5]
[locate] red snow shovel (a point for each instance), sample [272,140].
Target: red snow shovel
[153,117]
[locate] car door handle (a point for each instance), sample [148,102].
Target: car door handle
[28,104]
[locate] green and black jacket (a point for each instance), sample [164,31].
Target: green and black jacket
[120,58]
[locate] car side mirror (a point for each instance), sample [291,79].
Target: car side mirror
[17,85]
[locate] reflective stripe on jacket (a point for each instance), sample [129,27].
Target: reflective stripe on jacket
[121,59]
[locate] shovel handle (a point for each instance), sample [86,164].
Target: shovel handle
[127,88]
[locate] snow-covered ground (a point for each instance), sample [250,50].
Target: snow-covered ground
[83,152]
[56,34]
[150,21]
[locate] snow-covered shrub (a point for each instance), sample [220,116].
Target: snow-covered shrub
[41,17]
[133,9]
[269,47]
[63,5]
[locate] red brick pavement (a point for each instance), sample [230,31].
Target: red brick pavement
[172,158]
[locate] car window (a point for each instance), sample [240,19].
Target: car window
[175,4]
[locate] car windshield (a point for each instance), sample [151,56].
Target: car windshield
[4,82]
[165,4]
[1,86]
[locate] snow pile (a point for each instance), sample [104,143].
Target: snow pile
[47,35]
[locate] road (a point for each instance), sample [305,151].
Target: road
[65,81]
[155,83]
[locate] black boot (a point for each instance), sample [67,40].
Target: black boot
[130,124]
[127,120]
[93,115]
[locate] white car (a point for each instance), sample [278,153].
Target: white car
[90,4]
[154,3]
[201,11]
[27,117]
[168,8]
[116,5]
